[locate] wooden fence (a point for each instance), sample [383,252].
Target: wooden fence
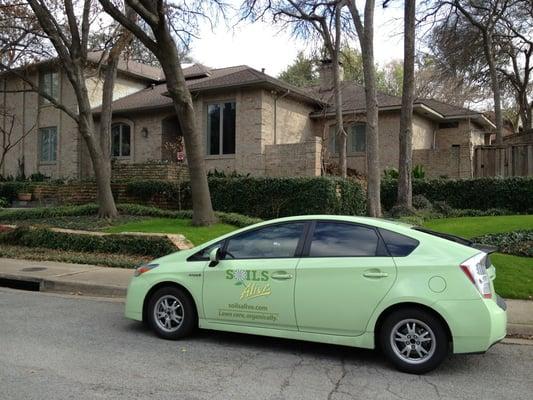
[504,160]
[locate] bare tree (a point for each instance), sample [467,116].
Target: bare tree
[9,139]
[517,45]
[66,26]
[365,31]
[310,19]
[162,18]
[405,189]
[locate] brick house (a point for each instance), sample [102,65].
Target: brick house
[251,123]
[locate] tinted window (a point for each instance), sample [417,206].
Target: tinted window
[333,239]
[203,255]
[277,241]
[398,245]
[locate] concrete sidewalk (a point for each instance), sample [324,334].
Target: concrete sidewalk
[80,279]
[112,282]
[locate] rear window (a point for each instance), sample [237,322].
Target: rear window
[398,245]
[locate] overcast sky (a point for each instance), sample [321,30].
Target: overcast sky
[263,45]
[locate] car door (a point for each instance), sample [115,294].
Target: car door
[343,274]
[253,284]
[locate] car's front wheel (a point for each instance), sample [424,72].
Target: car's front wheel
[171,313]
[414,340]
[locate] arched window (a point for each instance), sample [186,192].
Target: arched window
[120,140]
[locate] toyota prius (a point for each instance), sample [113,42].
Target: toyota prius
[363,282]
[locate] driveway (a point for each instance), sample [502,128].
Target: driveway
[63,347]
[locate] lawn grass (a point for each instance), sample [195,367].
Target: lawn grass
[476,226]
[196,234]
[514,275]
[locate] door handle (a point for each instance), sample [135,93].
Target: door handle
[375,274]
[281,276]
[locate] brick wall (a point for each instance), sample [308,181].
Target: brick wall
[77,193]
[150,171]
[293,159]
[453,162]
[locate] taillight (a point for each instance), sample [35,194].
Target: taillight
[476,270]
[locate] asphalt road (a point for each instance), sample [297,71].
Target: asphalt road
[58,347]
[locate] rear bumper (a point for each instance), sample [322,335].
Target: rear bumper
[475,325]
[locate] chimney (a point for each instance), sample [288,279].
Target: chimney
[325,72]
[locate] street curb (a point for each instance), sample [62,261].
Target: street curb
[78,288]
[519,329]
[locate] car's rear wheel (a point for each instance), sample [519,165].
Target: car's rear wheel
[414,340]
[171,313]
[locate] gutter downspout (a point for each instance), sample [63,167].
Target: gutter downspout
[276,98]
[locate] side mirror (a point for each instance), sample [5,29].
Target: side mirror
[214,257]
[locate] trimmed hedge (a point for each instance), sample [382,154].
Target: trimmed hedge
[517,243]
[10,215]
[512,193]
[265,197]
[115,244]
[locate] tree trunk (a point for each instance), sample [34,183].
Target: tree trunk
[495,85]
[405,189]
[201,201]
[340,132]
[365,33]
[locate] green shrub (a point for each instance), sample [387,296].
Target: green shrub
[401,211]
[142,245]
[278,197]
[390,173]
[7,215]
[264,197]
[512,193]
[421,203]
[517,243]
[419,172]
[441,207]
[4,203]
[9,190]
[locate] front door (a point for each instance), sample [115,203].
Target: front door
[253,284]
[342,276]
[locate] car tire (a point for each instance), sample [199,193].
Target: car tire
[414,340]
[171,313]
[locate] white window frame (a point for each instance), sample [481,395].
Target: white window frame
[53,90]
[121,124]
[52,150]
[220,153]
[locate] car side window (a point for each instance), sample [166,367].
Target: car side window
[336,239]
[203,255]
[398,245]
[275,241]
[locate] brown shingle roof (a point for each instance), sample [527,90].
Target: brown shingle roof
[218,78]
[130,67]
[353,96]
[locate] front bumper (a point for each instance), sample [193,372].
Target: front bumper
[475,325]
[136,293]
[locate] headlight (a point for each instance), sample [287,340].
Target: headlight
[141,269]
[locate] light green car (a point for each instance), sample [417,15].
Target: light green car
[350,281]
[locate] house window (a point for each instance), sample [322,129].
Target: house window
[120,140]
[49,83]
[449,125]
[356,140]
[221,128]
[48,144]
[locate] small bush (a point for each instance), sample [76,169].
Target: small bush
[421,203]
[142,245]
[517,243]
[4,203]
[401,211]
[443,208]
[419,172]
